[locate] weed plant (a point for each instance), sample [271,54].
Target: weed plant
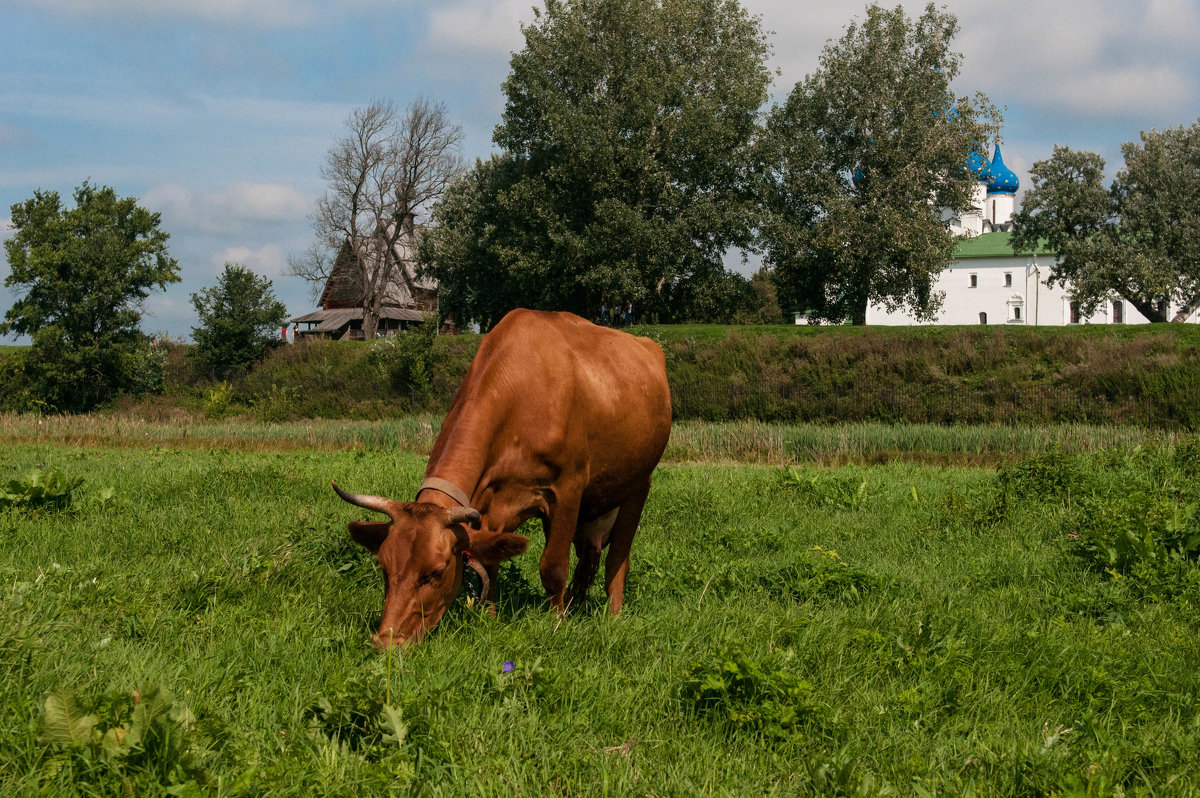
[940,631]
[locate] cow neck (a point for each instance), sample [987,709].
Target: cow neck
[460,452]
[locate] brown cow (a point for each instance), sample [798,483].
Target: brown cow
[556,418]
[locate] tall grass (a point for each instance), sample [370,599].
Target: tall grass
[691,441]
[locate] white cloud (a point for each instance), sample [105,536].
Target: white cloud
[1086,58]
[1137,89]
[232,207]
[268,14]
[485,26]
[268,260]
[121,110]
[1092,57]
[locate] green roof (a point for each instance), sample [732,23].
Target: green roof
[993,245]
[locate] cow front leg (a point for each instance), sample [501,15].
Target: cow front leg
[616,566]
[555,562]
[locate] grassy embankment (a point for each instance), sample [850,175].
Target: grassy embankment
[1147,375]
[898,628]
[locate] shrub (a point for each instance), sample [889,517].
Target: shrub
[142,737]
[405,361]
[38,491]
[218,400]
[749,695]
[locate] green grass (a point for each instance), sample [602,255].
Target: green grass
[858,630]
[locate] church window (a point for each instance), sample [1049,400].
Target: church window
[1118,312]
[1008,279]
[1074,312]
[974,280]
[1017,313]
[982,318]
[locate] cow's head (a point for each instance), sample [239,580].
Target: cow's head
[420,549]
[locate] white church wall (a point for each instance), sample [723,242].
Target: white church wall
[1007,291]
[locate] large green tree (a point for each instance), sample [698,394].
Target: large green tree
[240,319]
[1139,239]
[626,137]
[859,162]
[81,275]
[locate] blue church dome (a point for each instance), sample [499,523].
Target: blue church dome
[1002,179]
[978,165]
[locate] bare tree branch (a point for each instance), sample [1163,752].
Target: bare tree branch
[383,177]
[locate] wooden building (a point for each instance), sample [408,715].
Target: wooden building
[406,301]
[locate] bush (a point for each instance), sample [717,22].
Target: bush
[406,361]
[943,375]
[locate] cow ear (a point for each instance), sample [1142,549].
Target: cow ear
[370,534]
[498,547]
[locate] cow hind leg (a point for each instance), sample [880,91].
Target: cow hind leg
[590,539]
[616,566]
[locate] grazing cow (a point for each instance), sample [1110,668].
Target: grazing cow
[556,418]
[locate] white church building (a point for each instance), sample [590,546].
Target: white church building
[987,284]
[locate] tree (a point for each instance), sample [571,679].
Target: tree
[626,135]
[1139,239]
[762,303]
[466,249]
[383,177]
[240,320]
[857,164]
[82,274]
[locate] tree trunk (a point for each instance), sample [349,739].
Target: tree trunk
[1186,310]
[370,321]
[858,313]
[1151,310]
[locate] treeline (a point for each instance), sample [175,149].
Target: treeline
[1148,376]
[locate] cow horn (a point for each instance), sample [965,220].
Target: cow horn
[463,515]
[377,503]
[485,584]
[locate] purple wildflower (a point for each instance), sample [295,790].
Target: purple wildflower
[509,667]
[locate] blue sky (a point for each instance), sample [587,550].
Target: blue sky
[218,114]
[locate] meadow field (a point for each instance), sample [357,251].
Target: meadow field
[192,618]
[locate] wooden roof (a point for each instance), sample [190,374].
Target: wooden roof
[334,319]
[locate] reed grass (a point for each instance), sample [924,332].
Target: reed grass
[691,441]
